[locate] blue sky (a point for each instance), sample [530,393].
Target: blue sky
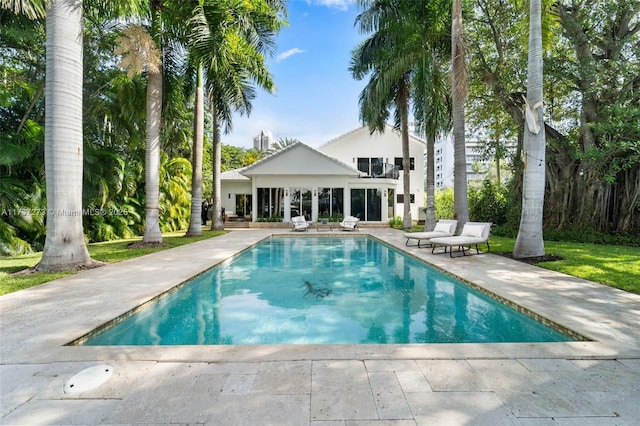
[317,99]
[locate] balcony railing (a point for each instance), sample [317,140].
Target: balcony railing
[382,171]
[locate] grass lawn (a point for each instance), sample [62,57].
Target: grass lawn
[109,251]
[616,266]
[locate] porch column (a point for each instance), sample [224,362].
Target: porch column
[287,204]
[385,205]
[254,200]
[347,201]
[314,204]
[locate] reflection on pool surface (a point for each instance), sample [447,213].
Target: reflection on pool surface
[323,290]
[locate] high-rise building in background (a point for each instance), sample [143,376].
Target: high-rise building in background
[477,165]
[263,141]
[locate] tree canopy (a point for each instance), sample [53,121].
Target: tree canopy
[591,94]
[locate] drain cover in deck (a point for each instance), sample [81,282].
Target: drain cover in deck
[88,379]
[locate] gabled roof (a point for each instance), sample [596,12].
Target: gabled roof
[234,174]
[388,128]
[299,159]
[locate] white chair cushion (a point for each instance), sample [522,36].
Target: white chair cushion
[473,230]
[442,227]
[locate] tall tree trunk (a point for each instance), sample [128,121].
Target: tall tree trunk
[430,221]
[459,95]
[403,107]
[195,222]
[216,217]
[64,246]
[529,242]
[152,232]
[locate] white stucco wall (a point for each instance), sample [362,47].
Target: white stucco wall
[359,143]
[229,190]
[333,165]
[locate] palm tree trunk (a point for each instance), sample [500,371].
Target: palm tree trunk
[459,95]
[152,232]
[216,218]
[195,222]
[529,242]
[64,246]
[403,107]
[430,221]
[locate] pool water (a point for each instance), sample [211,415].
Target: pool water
[321,290]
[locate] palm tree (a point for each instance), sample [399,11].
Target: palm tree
[230,40]
[30,8]
[529,242]
[431,92]
[389,83]
[64,246]
[152,233]
[431,102]
[195,222]
[281,144]
[459,95]
[139,53]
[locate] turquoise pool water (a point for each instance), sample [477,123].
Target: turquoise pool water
[351,290]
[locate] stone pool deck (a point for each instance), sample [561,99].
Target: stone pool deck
[579,383]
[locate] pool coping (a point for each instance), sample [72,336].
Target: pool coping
[37,323]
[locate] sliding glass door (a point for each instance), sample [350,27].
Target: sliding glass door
[366,204]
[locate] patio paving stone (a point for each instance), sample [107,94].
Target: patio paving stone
[581,383]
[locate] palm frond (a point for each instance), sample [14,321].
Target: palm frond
[139,51]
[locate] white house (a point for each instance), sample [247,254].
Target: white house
[356,174]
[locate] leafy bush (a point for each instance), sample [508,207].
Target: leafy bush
[588,235]
[444,203]
[489,203]
[573,235]
[334,218]
[396,222]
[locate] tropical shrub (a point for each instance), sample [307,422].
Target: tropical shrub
[444,203]
[175,193]
[396,222]
[488,204]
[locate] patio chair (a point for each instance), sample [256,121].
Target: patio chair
[473,233]
[349,223]
[299,223]
[444,228]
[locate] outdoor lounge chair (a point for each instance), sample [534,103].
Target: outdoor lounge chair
[299,223]
[444,228]
[349,223]
[473,233]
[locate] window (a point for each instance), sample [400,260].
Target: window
[374,205]
[377,167]
[371,166]
[366,204]
[243,204]
[398,163]
[330,202]
[400,198]
[363,165]
[301,202]
[270,202]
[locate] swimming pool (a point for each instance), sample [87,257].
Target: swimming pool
[320,290]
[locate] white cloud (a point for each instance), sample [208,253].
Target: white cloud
[335,4]
[288,53]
